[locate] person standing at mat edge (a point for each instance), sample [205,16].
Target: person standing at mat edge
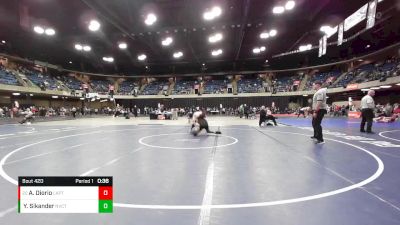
[367,111]
[319,110]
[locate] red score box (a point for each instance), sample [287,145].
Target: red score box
[105,193]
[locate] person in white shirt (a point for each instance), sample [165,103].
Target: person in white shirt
[319,110]
[367,111]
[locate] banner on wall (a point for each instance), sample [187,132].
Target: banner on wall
[340,34]
[356,18]
[354,114]
[324,44]
[320,48]
[352,86]
[92,95]
[371,13]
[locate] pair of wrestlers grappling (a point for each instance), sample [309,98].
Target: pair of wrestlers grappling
[199,123]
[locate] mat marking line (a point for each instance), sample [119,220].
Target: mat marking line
[7,211]
[109,162]
[389,131]
[42,154]
[205,212]
[373,177]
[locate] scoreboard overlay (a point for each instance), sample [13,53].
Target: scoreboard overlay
[65,194]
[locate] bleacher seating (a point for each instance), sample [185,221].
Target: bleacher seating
[286,83]
[380,71]
[7,77]
[126,87]
[72,83]
[183,87]
[100,86]
[154,87]
[215,86]
[249,85]
[345,80]
[370,72]
[326,78]
[39,79]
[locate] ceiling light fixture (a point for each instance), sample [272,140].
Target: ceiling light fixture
[94,25]
[108,59]
[78,47]
[213,13]
[216,52]
[385,86]
[38,29]
[217,11]
[150,19]
[50,31]
[278,10]
[3,41]
[167,41]
[303,48]
[290,5]
[324,28]
[215,38]
[178,55]
[375,88]
[273,33]
[122,45]
[264,35]
[142,57]
[258,50]
[328,30]
[87,48]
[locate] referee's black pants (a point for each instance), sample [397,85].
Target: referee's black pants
[367,116]
[316,123]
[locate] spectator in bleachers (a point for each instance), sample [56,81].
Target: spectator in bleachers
[7,77]
[250,85]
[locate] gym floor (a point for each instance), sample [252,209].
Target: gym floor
[247,175]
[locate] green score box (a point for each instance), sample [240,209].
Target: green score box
[105,206]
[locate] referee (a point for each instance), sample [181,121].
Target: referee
[367,111]
[319,110]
